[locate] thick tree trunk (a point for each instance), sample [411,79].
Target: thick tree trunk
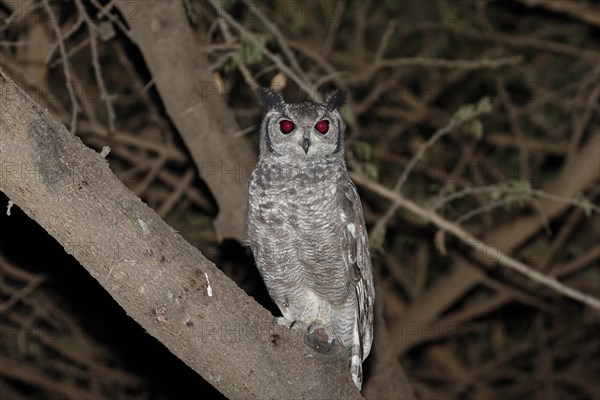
[184,81]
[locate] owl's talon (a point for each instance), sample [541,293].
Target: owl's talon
[282,321]
[319,339]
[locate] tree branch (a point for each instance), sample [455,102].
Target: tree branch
[574,177]
[183,79]
[485,251]
[161,281]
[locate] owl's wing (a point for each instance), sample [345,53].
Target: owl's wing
[358,261]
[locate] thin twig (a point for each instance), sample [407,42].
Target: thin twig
[74,50]
[276,59]
[74,28]
[178,192]
[475,243]
[360,31]
[385,39]
[485,208]
[97,69]
[573,9]
[483,107]
[463,115]
[336,22]
[524,191]
[250,81]
[482,63]
[280,39]
[516,130]
[66,66]
[518,41]
[103,11]
[558,241]
[30,6]
[579,122]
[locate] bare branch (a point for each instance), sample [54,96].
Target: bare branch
[197,109]
[276,59]
[475,243]
[66,66]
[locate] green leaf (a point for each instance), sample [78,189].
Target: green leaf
[468,111]
[377,237]
[249,53]
[497,192]
[371,170]
[484,105]
[477,128]
[347,115]
[524,187]
[586,205]
[363,150]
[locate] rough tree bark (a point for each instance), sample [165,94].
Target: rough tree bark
[161,281]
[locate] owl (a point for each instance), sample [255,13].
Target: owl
[306,229]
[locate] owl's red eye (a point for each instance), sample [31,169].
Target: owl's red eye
[286,126]
[322,126]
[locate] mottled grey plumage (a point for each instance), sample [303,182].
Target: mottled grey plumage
[305,224]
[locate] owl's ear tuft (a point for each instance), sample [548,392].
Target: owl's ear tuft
[269,98]
[335,99]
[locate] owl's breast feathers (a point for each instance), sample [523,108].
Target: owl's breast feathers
[311,213]
[298,196]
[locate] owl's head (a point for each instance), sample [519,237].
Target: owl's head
[301,130]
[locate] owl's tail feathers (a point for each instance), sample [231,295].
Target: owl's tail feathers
[356,356]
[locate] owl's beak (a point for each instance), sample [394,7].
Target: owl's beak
[305,144]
